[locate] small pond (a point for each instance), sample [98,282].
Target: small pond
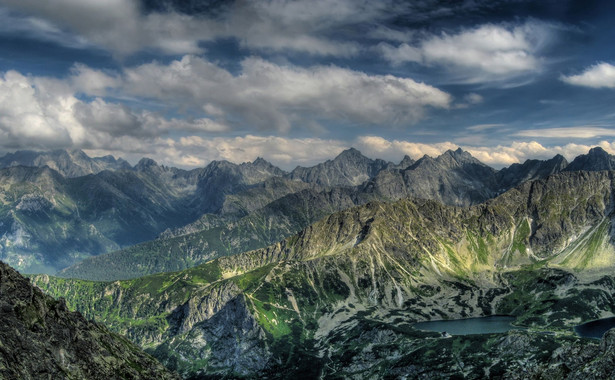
[595,329]
[469,326]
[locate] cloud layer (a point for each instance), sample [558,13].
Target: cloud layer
[287,153]
[124,27]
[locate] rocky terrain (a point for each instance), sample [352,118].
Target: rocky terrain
[339,298]
[41,339]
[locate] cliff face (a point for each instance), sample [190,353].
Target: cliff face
[41,339]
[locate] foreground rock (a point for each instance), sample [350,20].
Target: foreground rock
[41,339]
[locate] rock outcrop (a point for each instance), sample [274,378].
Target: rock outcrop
[41,339]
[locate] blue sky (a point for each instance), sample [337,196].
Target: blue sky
[296,82]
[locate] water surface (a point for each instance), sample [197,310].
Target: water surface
[595,329]
[469,326]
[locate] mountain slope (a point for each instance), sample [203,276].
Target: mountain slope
[48,221]
[40,338]
[377,267]
[272,223]
[454,178]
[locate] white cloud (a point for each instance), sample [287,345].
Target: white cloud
[600,75]
[268,96]
[481,54]
[579,132]
[38,28]
[38,112]
[93,82]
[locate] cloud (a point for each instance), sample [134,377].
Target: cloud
[123,27]
[44,113]
[39,29]
[117,25]
[483,127]
[267,96]
[600,75]
[79,112]
[579,132]
[485,53]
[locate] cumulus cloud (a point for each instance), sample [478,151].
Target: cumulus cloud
[600,75]
[44,113]
[484,53]
[268,96]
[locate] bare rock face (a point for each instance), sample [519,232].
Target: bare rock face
[517,174]
[349,168]
[41,339]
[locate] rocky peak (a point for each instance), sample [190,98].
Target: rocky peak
[145,164]
[406,161]
[459,157]
[349,168]
[263,166]
[596,159]
[350,153]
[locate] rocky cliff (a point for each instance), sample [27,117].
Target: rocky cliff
[41,339]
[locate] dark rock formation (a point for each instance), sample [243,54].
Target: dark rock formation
[41,339]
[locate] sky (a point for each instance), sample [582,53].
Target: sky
[296,82]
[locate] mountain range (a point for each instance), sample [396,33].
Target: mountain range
[454,178]
[245,270]
[339,298]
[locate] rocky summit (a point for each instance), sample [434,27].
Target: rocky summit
[41,339]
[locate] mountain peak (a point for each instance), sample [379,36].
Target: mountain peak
[350,153]
[597,151]
[596,159]
[73,163]
[260,161]
[457,157]
[145,163]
